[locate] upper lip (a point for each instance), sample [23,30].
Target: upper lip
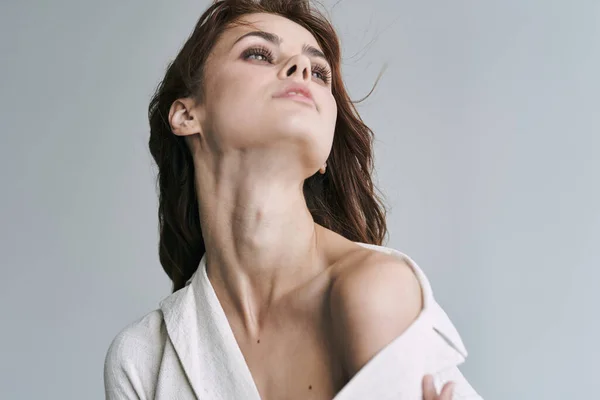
[295,87]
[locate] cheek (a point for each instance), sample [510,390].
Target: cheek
[227,82]
[331,113]
[230,90]
[234,99]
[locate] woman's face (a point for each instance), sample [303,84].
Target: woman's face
[249,102]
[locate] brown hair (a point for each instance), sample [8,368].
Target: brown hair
[342,200]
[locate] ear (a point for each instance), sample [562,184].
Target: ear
[185,117]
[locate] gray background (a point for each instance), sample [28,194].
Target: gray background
[488,133]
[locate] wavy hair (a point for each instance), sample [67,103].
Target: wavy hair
[342,200]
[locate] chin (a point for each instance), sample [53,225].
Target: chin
[299,129]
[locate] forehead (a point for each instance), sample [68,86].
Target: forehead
[291,33]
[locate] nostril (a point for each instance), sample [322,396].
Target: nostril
[291,70]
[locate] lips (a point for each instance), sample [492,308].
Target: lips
[297,92]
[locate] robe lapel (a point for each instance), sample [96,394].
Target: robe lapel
[396,372]
[204,342]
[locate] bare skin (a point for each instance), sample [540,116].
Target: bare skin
[293,353]
[287,285]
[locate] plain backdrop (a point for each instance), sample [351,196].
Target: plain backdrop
[487,124]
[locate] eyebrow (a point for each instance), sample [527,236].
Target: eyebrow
[273,38]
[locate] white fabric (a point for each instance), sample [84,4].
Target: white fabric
[187,350]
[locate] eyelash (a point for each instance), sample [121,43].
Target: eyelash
[268,54]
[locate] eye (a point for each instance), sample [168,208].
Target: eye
[258,53]
[322,73]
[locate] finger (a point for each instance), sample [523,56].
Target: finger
[447,391]
[428,388]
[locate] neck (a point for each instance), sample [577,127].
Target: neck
[261,240]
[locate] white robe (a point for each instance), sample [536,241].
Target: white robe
[186,350]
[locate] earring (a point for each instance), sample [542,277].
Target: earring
[323,168]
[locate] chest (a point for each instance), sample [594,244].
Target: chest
[294,362]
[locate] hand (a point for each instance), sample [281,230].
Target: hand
[429,392]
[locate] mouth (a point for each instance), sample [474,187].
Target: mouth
[297,97]
[297,92]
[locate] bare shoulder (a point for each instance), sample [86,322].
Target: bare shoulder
[374,298]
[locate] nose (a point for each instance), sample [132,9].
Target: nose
[298,67]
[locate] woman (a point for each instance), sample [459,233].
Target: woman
[269,226]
